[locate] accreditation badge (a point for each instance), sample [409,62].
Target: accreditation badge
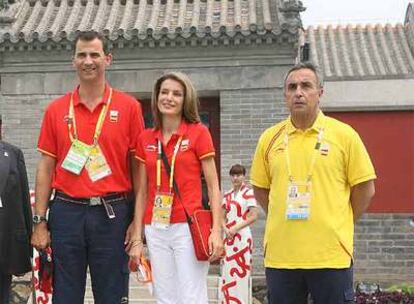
[298,200]
[161,212]
[97,166]
[77,156]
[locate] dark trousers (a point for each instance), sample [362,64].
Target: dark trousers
[84,236]
[326,286]
[5,283]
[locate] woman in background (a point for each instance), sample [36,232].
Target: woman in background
[240,209]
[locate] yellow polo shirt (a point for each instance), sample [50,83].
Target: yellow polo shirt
[325,239]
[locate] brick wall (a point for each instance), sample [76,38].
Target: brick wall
[384,248]
[22,115]
[245,114]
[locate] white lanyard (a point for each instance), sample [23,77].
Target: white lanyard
[314,154]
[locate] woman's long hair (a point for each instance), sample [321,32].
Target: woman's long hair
[190,104]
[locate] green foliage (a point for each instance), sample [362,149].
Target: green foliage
[403,287]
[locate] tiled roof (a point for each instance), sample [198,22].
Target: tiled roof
[409,16]
[150,22]
[409,23]
[370,51]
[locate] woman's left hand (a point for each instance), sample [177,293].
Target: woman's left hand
[215,245]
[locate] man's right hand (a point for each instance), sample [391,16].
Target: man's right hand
[40,237]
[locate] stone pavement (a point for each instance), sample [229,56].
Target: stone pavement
[21,288]
[21,292]
[139,294]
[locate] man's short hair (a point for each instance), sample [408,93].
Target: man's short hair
[237,169]
[306,65]
[89,36]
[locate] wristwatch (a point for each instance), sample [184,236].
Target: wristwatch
[37,219]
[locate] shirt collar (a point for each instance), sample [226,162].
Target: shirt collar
[181,131]
[242,186]
[76,97]
[317,125]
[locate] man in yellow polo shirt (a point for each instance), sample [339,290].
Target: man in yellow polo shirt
[314,179]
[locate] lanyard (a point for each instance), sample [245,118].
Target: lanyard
[314,154]
[159,157]
[99,124]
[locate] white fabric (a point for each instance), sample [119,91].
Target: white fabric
[40,297]
[179,278]
[235,283]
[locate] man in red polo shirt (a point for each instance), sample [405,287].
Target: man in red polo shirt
[86,141]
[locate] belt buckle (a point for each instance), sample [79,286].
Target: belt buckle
[95,201]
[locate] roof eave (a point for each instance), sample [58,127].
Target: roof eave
[159,39]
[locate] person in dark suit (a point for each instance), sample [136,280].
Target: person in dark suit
[15,218]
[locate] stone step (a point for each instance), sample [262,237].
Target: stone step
[139,293]
[212,281]
[143,301]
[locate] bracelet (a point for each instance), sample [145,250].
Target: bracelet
[136,241]
[135,244]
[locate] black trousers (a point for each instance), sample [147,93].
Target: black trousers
[326,286]
[84,236]
[5,283]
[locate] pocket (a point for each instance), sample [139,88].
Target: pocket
[123,215]
[125,268]
[50,215]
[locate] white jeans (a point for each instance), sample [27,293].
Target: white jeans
[179,278]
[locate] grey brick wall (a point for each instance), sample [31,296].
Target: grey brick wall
[384,248]
[244,115]
[22,115]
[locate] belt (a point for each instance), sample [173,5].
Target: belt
[106,201]
[94,200]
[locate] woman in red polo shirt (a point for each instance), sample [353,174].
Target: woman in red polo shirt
[179,138]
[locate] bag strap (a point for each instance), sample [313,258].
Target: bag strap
[175,186]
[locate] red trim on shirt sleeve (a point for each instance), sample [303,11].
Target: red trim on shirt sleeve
[46,152]
[136,123]
[139,149]
[207,155]
[204,143]
[140,159]
[47,137]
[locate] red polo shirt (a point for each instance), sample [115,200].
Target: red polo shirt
[121,128]
[196,145]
